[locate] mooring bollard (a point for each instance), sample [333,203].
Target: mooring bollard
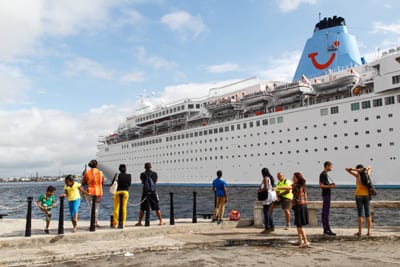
[61,217]
[171,209]
[120,215]
[28,226]
[92,227]
[147,220]
[194,218]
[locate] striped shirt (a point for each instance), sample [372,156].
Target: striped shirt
[94,179]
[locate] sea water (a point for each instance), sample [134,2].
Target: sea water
[13,201]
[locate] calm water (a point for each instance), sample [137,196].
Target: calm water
[13,196]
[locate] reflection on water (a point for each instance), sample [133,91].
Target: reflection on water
[240,198]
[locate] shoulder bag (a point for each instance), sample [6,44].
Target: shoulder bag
[114,186]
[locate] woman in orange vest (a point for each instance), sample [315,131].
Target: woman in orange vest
[94,180]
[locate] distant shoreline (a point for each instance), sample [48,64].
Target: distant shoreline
[378,186]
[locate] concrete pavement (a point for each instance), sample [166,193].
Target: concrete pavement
[47,249]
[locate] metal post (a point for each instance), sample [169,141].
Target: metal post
[194,218]
[171,208]
[92,227]
[61,217]
[147,220]
[28,226]
[120,218]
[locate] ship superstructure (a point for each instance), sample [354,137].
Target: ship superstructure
[338,108]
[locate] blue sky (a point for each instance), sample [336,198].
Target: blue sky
[72,70]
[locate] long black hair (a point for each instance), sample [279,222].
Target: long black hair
[364,178]
[266,173]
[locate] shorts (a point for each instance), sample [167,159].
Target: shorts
[74,207]
[285,203]
[362,202]
[153,201]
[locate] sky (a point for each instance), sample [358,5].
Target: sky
[73,70]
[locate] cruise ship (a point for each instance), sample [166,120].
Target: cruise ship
[338,108]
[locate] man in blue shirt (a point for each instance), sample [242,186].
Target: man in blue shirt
[219,186]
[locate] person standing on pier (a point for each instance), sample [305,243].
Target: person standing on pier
[46,202]
[284,198]
[124,182]
[149,180]
[300,208]
[94,180]
[267,185]
[219,187]
[326,186]
[362,196]
[72,189]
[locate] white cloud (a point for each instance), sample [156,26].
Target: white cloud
[189,27]
[386,28]
[13,85]
[136,76]
[24,23]
[155,62]
[79,66]
[290,5]
[281,68]
[226,67]
[129,17]
[51,141]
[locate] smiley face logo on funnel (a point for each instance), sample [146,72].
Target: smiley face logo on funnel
[322,66]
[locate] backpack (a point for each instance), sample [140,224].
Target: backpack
[148,184]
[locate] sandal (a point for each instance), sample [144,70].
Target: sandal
[357,234]
[305,245]
[138,224]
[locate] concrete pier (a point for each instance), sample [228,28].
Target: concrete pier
[53,249]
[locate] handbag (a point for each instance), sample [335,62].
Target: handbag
[262,195]
[114,186]
[371,190]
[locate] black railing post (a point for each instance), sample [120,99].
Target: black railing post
[194,218]
[92,227]
[120,215]
[171,209]
[147,219]
[28,226]
[61,217]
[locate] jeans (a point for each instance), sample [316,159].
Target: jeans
[326,204]
[362,202]
[268,222]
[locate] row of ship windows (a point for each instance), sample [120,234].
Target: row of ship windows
[178,137]
[390,100]
[379,145]
[210,149]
